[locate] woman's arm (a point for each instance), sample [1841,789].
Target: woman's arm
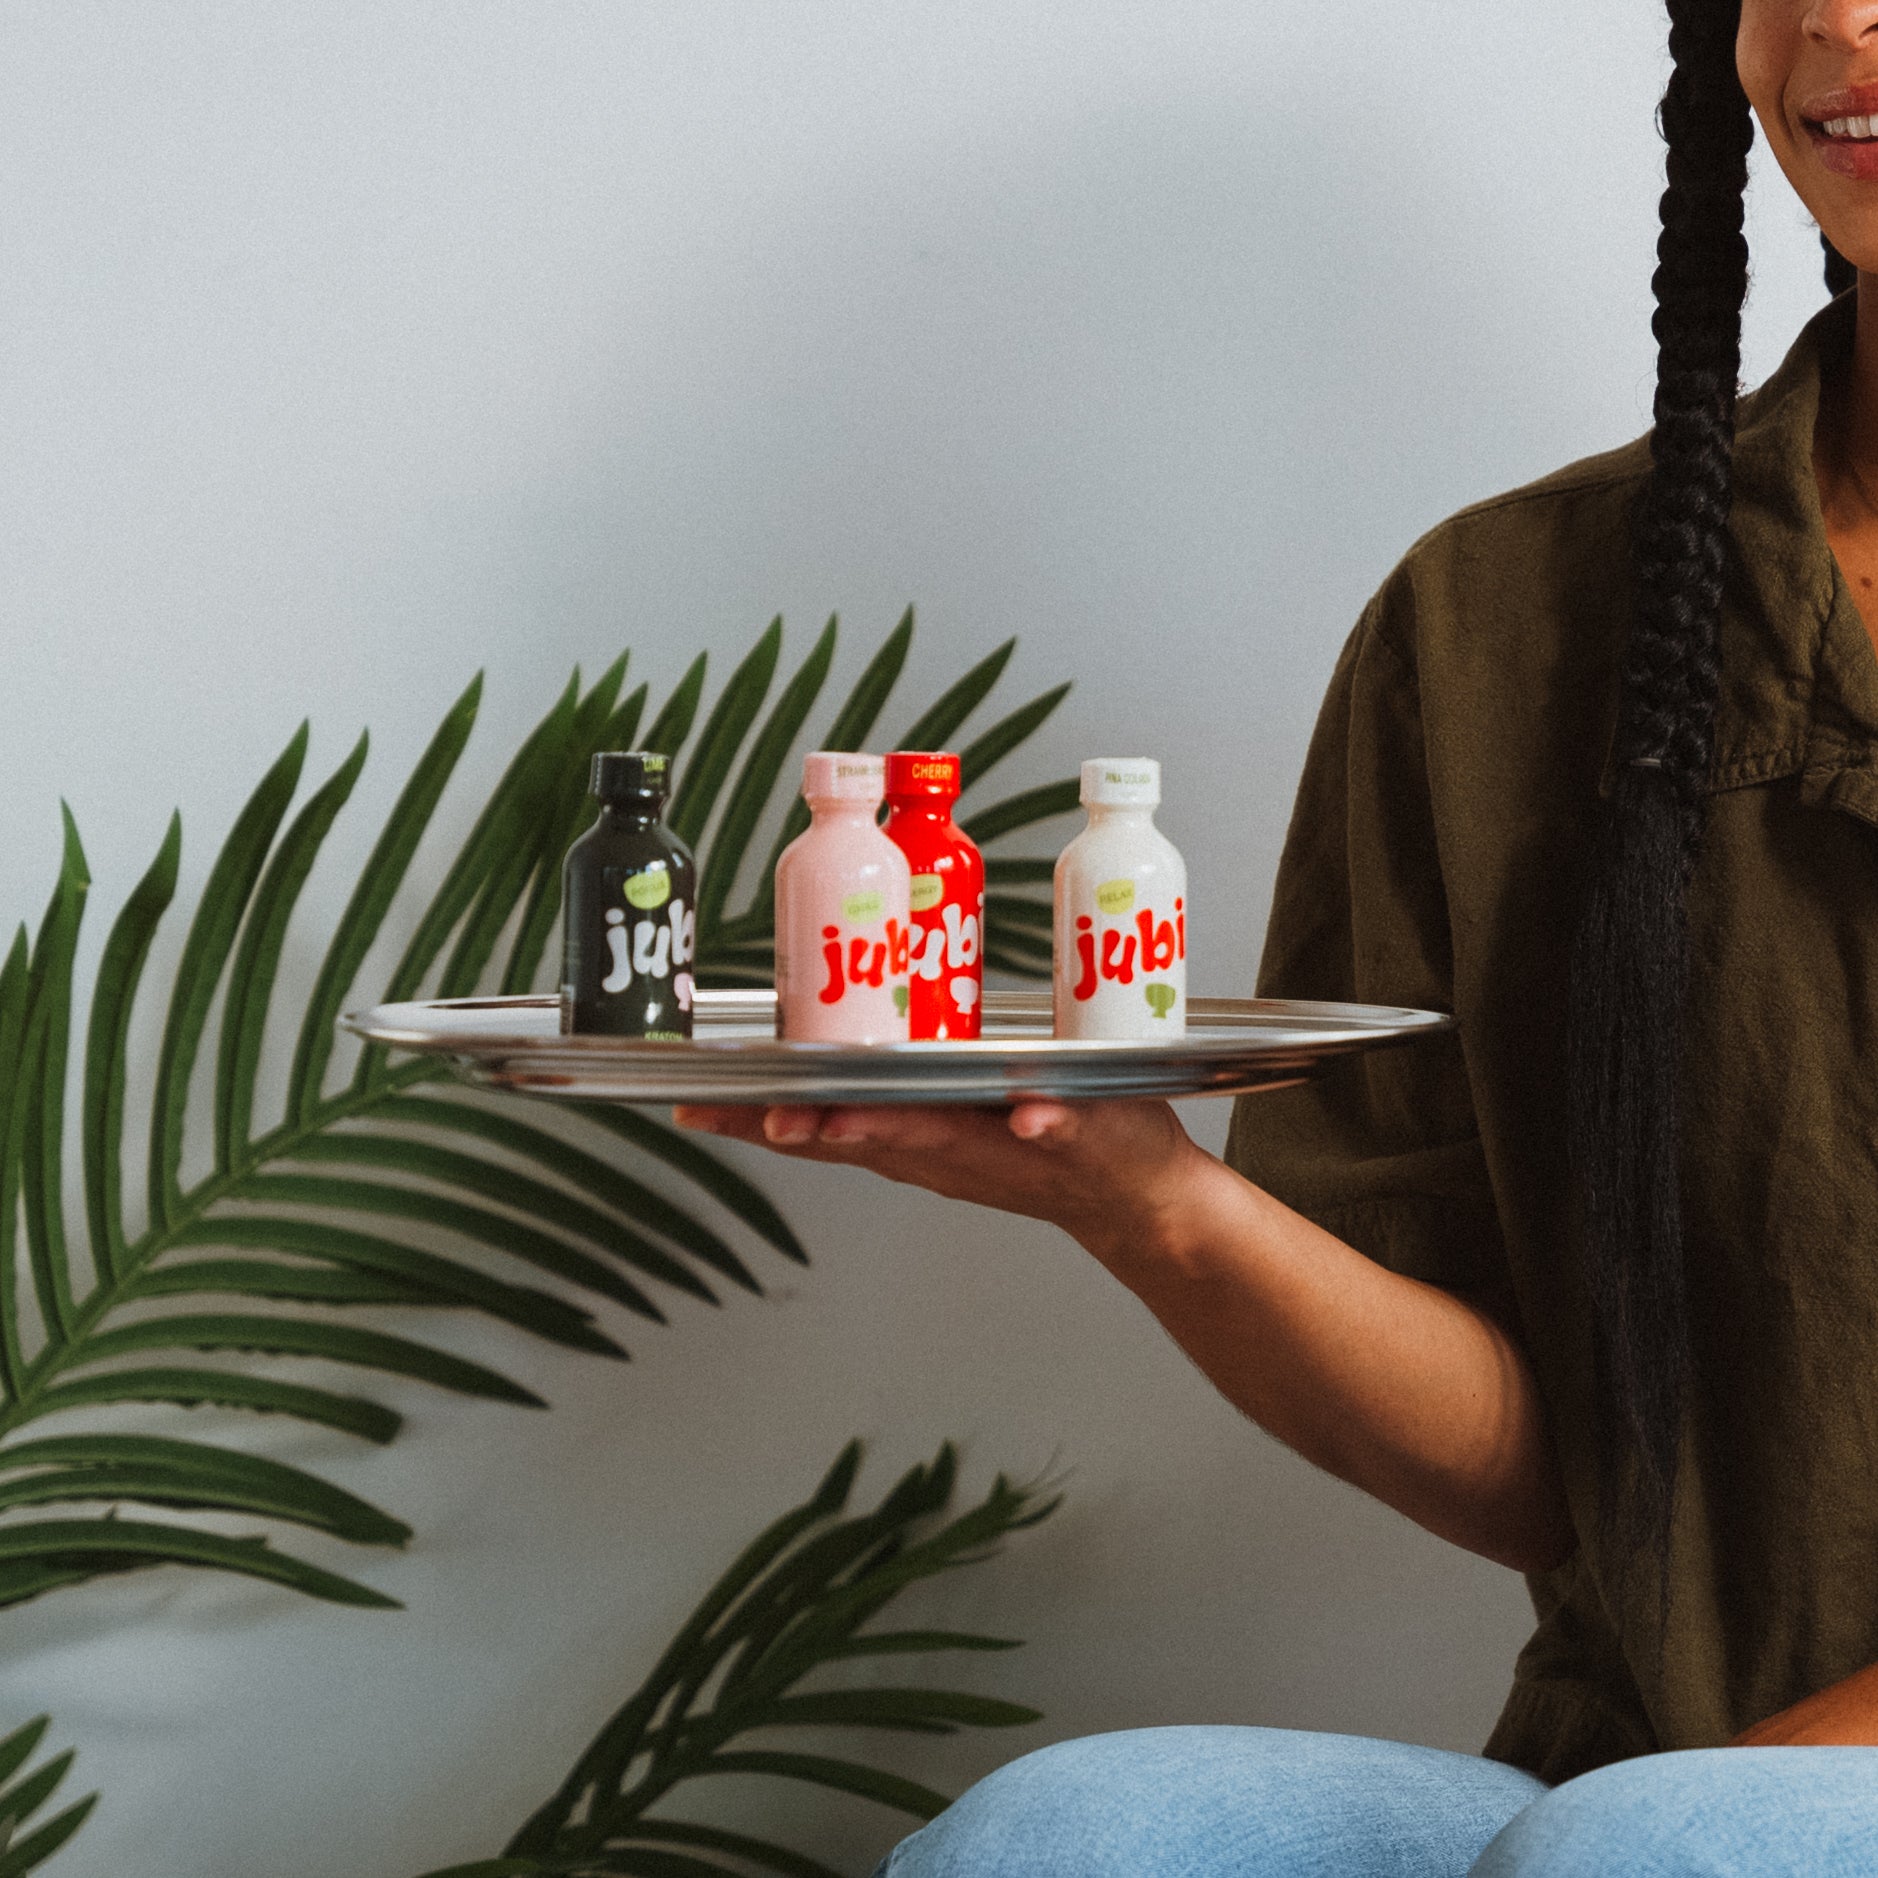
[1843,1716]
[1400,1388]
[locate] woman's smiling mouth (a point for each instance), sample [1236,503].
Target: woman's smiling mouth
[1842,127]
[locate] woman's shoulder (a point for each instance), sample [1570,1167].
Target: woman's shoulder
[1534,566]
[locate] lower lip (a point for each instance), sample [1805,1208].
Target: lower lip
[1858,160]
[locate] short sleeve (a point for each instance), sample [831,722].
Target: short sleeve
[1383,1149]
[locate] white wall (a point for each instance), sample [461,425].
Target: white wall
[346,347]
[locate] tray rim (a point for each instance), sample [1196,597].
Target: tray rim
[374,1024]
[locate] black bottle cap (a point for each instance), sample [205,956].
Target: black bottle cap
[631,775]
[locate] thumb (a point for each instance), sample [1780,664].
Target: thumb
[1048,1124]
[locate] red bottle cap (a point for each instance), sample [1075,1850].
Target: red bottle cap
[932,773]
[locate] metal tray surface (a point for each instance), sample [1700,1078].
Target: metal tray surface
[1231,1045]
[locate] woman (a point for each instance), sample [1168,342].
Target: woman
[1592,1291]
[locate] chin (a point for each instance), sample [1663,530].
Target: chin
[1858,245]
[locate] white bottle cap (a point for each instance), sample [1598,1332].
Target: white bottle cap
[1116,782]
[843,776]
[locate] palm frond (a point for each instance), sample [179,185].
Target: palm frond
[262,1240]
[24,1847]
[267,1237]
[795,1601]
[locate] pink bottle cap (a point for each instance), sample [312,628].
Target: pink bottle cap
[843,776]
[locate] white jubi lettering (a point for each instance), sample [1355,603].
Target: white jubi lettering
[652,944]
[930,960]
[622,973]
[961,935]
[684,931]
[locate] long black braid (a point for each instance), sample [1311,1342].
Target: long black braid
[1630,963]
[1840,273]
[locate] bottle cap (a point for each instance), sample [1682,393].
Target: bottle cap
[933,773]
[1118,782]
[626,775]
[843,776]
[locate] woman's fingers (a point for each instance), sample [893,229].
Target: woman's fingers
[863,1134]
[842,1132]
[740,1124]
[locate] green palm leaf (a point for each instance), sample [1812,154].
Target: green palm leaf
[23,1850]
[795,1602]
[42,1111]
[385,869]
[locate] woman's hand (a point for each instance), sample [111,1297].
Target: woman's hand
[1842,1716]
[1114,1175]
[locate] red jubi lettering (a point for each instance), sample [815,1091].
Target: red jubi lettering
[1157,941]
[832,992]
[1118,957]
[899,948]
[860,970]
[1085,958]
[1180,926]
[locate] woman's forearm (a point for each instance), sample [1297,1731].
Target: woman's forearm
[1402,1389]
[1398,1387]
[1842,1716]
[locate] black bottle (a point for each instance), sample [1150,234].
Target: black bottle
[629,909]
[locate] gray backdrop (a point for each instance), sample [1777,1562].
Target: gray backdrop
[346,348]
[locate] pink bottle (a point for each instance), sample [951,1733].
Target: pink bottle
[844,920]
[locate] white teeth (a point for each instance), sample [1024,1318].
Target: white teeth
[1859,127]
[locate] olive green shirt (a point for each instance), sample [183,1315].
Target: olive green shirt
[1434,859]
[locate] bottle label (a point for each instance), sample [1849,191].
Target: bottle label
[650,944]
[1115,896]
[948,905]
[1122,974]
[631,936]
[1122,953]
[852,961]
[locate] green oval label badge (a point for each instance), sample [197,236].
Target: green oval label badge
[863,907]
[650,889]
[1115,896]
[928,891]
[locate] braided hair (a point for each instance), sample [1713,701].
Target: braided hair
[1630,958]
[1840,273]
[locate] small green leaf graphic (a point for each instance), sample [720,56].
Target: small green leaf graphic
[1161,998]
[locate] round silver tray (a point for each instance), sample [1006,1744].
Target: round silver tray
[1231,1045]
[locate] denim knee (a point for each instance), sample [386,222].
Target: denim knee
[1220,1802]
[1709,1813]
[1026,1816]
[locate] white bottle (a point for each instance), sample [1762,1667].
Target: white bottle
[1121,913]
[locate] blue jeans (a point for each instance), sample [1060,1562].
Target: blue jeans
[1271,1803]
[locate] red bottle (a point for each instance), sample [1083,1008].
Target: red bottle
[948,894]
